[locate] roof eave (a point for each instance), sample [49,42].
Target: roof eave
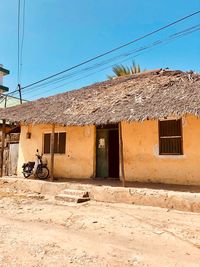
[4,88]
[4,71]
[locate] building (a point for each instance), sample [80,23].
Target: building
[144,127]
[3,72]
[9,154]
[7,100]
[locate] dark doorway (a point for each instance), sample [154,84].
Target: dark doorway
[107,152]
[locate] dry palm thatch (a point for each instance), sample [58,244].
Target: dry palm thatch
[148,95]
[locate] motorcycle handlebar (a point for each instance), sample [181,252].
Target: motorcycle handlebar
[38,155]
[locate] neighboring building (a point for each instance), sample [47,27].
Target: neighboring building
[10,149]
[145,124]
[6,101]
[3,72]
[10,101]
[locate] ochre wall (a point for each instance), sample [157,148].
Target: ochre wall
[142,161]
[78,160]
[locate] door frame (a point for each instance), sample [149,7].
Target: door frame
[108,127]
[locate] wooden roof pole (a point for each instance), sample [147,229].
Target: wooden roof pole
[52,152]
[2,145]
[121,154]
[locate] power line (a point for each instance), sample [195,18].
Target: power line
[112,50]
[20,46]
[138,50]
[5,97]
[141,49]
[22,40]
[90,74]
[18,41]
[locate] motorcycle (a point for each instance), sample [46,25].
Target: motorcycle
[38,168]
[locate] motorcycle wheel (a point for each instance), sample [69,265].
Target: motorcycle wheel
[42,173]
[26,172]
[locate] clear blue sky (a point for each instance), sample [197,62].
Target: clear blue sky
[61,33]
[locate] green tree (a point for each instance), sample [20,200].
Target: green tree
[122,70]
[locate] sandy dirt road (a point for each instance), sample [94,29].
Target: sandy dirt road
[42,233]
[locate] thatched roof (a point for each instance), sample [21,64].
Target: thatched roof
[150,95]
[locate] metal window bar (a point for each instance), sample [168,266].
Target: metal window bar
[170,137]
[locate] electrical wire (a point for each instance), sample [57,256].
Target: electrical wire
[112,50]
[83,77]
[18,41]
[22,40]
[6,96]
[155,43]
[138,50]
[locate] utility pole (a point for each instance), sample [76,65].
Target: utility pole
[5,104]
[20,93]
[2,146]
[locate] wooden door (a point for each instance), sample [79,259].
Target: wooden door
[102,153]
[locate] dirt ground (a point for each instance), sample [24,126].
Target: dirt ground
[36,232]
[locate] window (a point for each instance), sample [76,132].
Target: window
[59,143]
[170,137]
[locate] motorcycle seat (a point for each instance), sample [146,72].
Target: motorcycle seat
[31,163]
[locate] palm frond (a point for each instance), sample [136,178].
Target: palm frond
[122,70]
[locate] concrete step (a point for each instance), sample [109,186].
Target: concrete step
[71,198]
[75,192]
